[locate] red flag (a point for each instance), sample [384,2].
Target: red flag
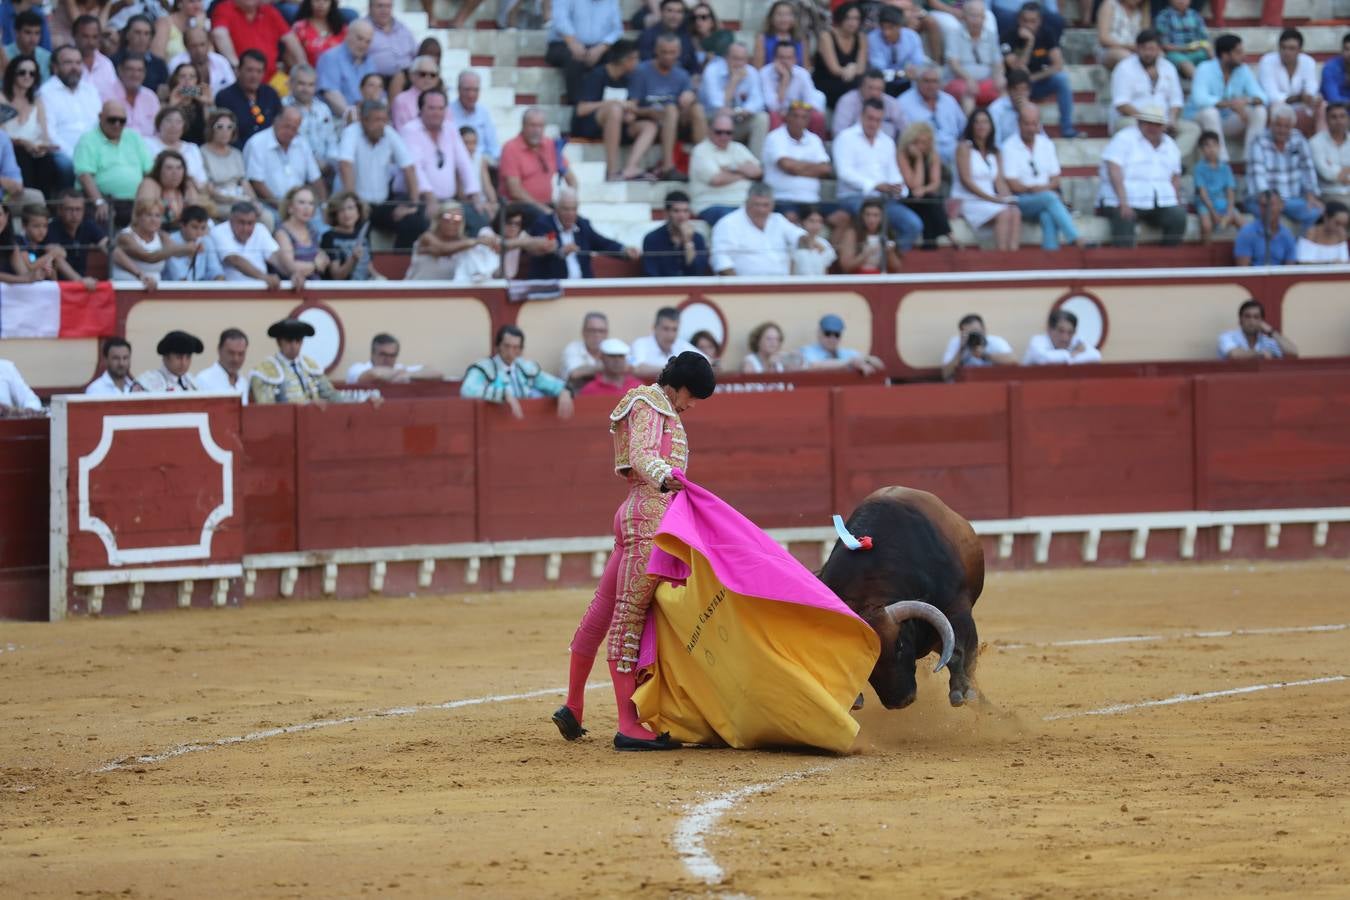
[87,313]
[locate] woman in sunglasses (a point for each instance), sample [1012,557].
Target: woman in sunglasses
[33,146]
[710,38]
[224,164]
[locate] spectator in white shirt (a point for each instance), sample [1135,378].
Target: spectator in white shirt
[795,160]
[927,102]
[116,379]
[581,358]
[17,400]
[1289,77]
[813,255]
[383,366]
[973,347]
[98,69]
[317,126]
[754,240]
[865,160]
[1324,242]
[1255,337]
[1031,168]
[1060,344]
[649,354]
[366,152]
[1148,78]
[1331,154]
[731,84]
[245,250]
[73,106]
[720,171]
[1140,180]
[214,71]
[226,374]
[278,159]
[784,83]
[848,110]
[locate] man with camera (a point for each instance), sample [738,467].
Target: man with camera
[971,346]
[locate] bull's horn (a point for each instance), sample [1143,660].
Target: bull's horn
[917,609]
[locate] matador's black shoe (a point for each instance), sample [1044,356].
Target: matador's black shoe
[567,724]
[663,741]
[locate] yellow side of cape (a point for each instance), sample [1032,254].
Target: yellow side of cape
[752,673]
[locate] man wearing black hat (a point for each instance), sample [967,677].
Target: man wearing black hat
[176,349]
[287,376]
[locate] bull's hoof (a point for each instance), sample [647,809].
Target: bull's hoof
[958,698]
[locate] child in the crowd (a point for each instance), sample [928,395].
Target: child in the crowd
[1215,189]
[1184,37]
[46,259]
[347,243]
[813,254]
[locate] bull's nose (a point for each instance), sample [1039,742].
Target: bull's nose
[899,704]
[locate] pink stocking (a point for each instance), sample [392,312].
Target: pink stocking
[589,635]
[625,683]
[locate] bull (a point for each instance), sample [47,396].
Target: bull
[916,587]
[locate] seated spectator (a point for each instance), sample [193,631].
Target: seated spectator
[721,171]
[1265,241]
[466,110]
[139,101]
[46,259]
[478,162]
[288,376]
[733,86]
[346,243]
[319,27]
[841,53]
[226,175]
[445,252]
[28,41]
[366,153]
[137,34]
[317,125]
[1331,155]
[1146,79]
[1336,75]
[581,359]
[921,170]
[766,351]
[828,351]
[341,69]
[972,347]
[73,231]
[383,366]
[1034,41]
[1281,161]
[785,83]
[1140,180]
[605,109]
[949,17]
[13,259]
[168,184]
[372,88]
[17,400]
[895,51]
[613,378]
[1324,242]
[706,344]
[711,40]
[507,377]
[515,242]
[214,71]
[675,249]
[110,160]
[203,264]
[581,32]
[1031,168]
[866,165]
[980,187]
[795,161]
[1060,344]
[116,378]
[1215,190]
[1225,97]
[72,105]
[1004,110]
[98,68]
[189,100]
[569,241]
[651,352]
[1255,338]
[1118,21]
[974,64]
[927,102]
[673,20]
[34,151]
[445,169]
[531,164]
[425,74]
[175,350]
[171,29]
[238,26]
[278,159]
[392,45]
[848,111]
[1183,35]
[169,136]
[255,105]
[244,249]
[1289,78]
[754,240]
[813,255]
[402,82]
[867,245]
[141,248]
[781,26]
[298,251]
[918,20]
[665,94]
[226,374]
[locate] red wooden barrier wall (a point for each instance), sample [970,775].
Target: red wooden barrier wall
[25,503]
[268,479]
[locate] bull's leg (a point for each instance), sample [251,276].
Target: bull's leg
[963,659]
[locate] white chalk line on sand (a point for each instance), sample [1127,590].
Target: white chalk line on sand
[1185,635]
[264,734]
[1192,698]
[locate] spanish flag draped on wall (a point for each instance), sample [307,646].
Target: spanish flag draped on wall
[743,645]
[50,309]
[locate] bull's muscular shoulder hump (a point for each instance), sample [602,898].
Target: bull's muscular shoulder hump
[952,526]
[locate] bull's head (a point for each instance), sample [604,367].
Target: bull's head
[893,676]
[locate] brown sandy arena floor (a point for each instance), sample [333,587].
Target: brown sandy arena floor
[1243,795]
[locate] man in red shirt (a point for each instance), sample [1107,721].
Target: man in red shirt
[240,25]
[530,163]
[614,379]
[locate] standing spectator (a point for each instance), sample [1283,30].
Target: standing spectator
[140,102]
[238,26]
[581,32]
[720,172]
[1265,241]
[226,177]
[1060,345]
[317,126]
[136,37]
[116,379]
[841,53]
[865,161]
[581,358]
[1324,242]
[781,26]
[921,170]
[226,374]
[445,170]
[1183,36]
[1031,168]
[650,353]
[1225,97]
[278,159]
[665,94]
[110,161]
[765,343]
[1146,79]
[813,255]
[569,243]
[33,148]
[253,103]
[346,243]
[606,109]
[730,84]
[365,154]
[974,62]
[245,250]
[214,71]
[1336,75]
[1004,110]
[28,27]
[980,186]
[754,240]
[828,351]
[867,245]
[675,249]
[1140,179]
[298,251]
[711,40]
[1254,338]
[341,69]
[424,74]
[848,111]
[785,83]
[1331,154]
[72,105]
[1215,189]
[203,264]
[895,51]
[972,348]
[927,102]
[1118,21]
[392,44]
[795,160]
[531,165]
[613,379]
[98,69]
[672,21]
[466,110]
[1281,161]
[1289,77]
[1034,47]
[507,377]
[319,27]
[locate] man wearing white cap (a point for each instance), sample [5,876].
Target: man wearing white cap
[1141,180]
[614,378]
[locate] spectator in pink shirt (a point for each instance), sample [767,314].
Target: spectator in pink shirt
[445,170]
[130,90]
[98,69]
[425,74]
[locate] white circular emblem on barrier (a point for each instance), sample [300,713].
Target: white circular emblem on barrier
[1091,317]
[326,345]
[702,316]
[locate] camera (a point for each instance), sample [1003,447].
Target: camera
[191,91]
[974,340]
